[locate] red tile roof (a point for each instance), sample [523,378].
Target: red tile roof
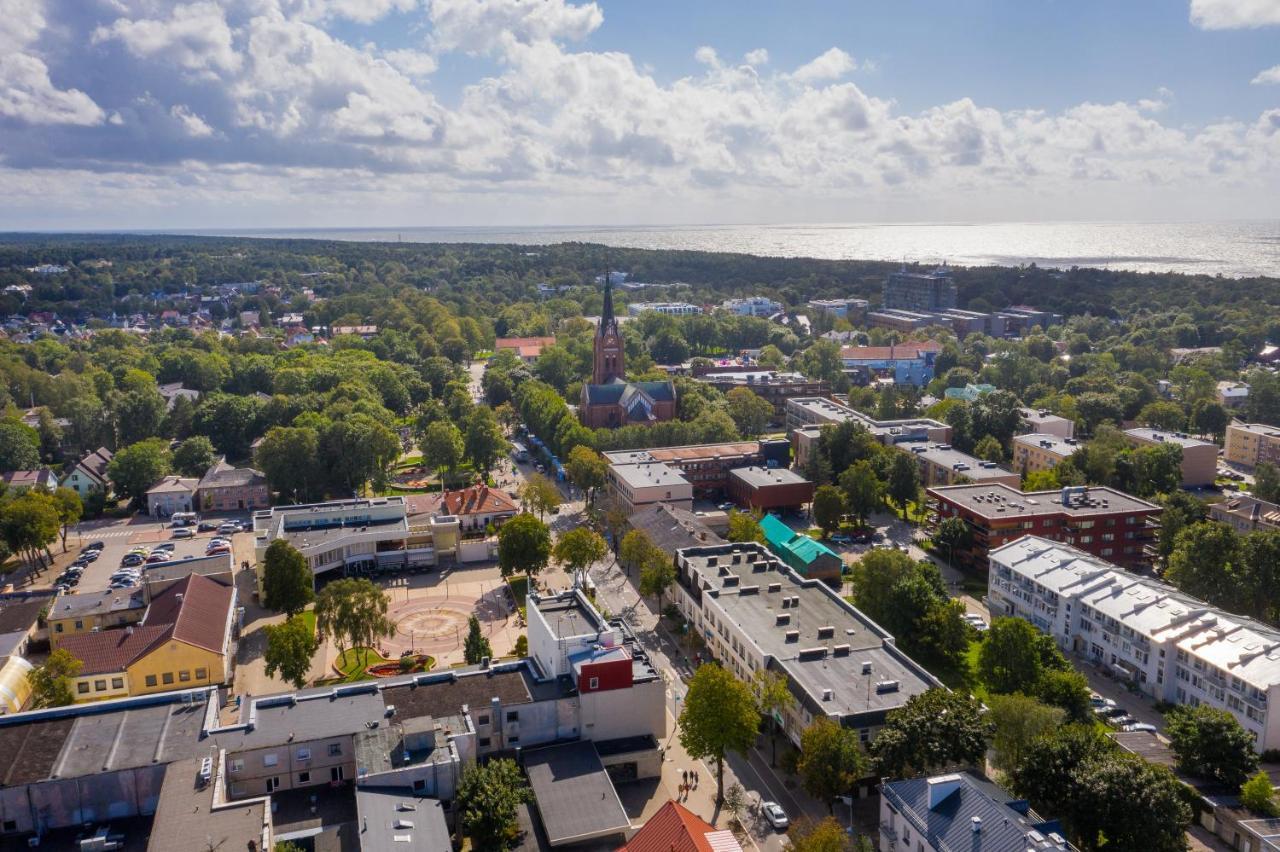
[479,500]
[112,650]
[909,349]
[674,828]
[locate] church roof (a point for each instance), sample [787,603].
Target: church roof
[614,392]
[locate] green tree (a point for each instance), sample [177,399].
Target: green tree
[353,612]
[904,481]
[579,549]
[290,458]
[1203,562]
[1041,480]
[540,494]
[1049,764]
[1259,796]
[1163,415]
[139,415]
[1211,744]
[19,446]
[831,761]
[1010,659]
[524,546]
[29,524]
[718,716]
[51,681]
[1266,482]
[586,469]
[1210,418]
[1124,802]
[1181,510]
[290,649]
[828,508]
[442,446]
[657,574]
[66,502]
[287,582]
[862,489]
[1157,469]
[489,796]
[744,527]
[773,700]
[988,448]
[635,550]
[953,534]
[934,729]
[136,468]
[1067,689]
[1018,720]
[194,456]
[751,413]
[828,835]
[359,448]
[484,441]
[476,646]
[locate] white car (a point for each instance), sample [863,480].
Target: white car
[975,621]
[229,529]
[776,816]
[1141,726]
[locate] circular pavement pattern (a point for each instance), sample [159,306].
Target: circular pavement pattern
[437,624]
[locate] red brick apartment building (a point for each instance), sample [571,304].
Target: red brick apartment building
[1105,522]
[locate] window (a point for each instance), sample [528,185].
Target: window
[513,740]
[594,683]
[117,683]
[100,685]
[270,760]
[419,785]
[484,742]
[79,625]
[304,754]
[335,773]
[167,677]
[57,628]
[304,777]
[151,680]
[482,720]
[235,765]
[184,676]
[513,715]
[202,674]
[83,687]
[10,825]
[335,749]
[273,784]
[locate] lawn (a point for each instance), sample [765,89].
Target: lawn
[519,590]
[308,616]
[353,662]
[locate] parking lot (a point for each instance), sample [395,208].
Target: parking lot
[118,537]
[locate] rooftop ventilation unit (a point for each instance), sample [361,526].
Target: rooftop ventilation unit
[866,667]
[782,618]
[816,653]
[827,694]
[793,636]
[840,651]
[887,686]
[826,632]
[775,587]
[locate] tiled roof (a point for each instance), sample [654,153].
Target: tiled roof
[674,828]
[171,484]
[112,650]
[884,353]
[223,475]
[197,608]
[27,478]
[479,500]
[96,463]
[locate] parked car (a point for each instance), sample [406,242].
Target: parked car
[1143,727]
[75,569]
[206,526]
[217,551]
[976,621]
[776,816]
[182,532]
[725,507]
[159,556]
[131,559]
[1113,711]
[68,580]
[96,545]
[164,545]
[1122,722]
[841,538]
[89,555]
[1099,703]
[228,528]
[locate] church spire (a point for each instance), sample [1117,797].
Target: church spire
[606,315]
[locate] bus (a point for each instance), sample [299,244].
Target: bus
[519,452]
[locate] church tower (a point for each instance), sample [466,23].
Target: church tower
[608,343]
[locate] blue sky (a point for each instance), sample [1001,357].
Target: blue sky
[148,113]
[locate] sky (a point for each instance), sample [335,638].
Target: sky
[142,114]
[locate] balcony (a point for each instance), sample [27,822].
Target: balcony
[889,834]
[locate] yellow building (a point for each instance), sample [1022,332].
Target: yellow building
[1041,451]
[72,615]
[1250,444]
[184,641]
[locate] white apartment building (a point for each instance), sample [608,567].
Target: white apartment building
[675,309]
[1172,646]
[634,486]
[752,306]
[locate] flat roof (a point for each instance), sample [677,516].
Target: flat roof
[649,475]
[1182,439]
[687,453]
[994,500]
[101,603]
[751,592]
[1257,428]
[185,812]
[760,477]
[1054,444]
[306,715]
[394,819]
[1035,415]
[575,798]
[567,615]
[943,455]
[830,411]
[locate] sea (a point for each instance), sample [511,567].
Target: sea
[1232,249]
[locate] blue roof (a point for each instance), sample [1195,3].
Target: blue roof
[804,548]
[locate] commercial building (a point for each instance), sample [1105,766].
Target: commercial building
[809,558]
[755,613]
[71,615]
[1169,645]
[764,488]
[807,415]
[1232,395]
[1041,421]
[942,464]
[172,494]
[185,640]
[853,310]
[634,486]
[904,322]
[226,488]
[1101,521]
[706,466]
[1199,458]
[1250,444]
[672,529]
[920,291]
[674,309]
[752,306]
[909,363]
[1041,451]
[527,349]
[770,385]
[1246,514]
[946,813]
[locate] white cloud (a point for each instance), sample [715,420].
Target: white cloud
[412,63]
[707,56]
[195,36]
[1270,75]
[1234,14]
[759,56]
[360,11]
[192,124]
[27,93]
[481,27]
[832,65]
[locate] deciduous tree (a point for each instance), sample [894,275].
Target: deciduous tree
[904,481]
[1211,744]
[586,469]
[489,796]
[831,761]
[828,508]
[70,509]
[51,681]
[290,648]
[718,716]
[577,550]
[743,526]
[484,441]
[194,456]
[773,700]
[138,467]
[750,412]
[934,729]
[524,546]
[442,445]
[862,489]
[353,612]
[287,582]
[1018,720]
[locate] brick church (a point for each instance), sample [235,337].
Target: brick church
[610,400]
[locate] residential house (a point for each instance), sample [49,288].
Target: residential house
[478,507]
[94,612]
[1250,444]
[25,479]
[172,494]
[527,349]
[225,488]
[89,475]
[1232,395]
[1199,458]
[172,390]
[1246,514]
[675,828]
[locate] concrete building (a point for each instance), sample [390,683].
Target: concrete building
[527,349]
[1232,395]
[172,494]
[770,385]
[942,464]
[1101,521]
[674,309]
[71,615]
[761,489]
[853,310]
[909,363]
[808,557]
[1246,514]
[89,475]
[752,306]
[904,322]
[1250,444]
[756,613]
[706,466]
[1169,645]
[920,291]
[946,813]
[633,486]
[807,415]
[1199,458]
[225,488]
[1041,421]
[1041,451]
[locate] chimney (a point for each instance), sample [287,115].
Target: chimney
[940,787]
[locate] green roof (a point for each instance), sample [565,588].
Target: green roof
[782,537]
